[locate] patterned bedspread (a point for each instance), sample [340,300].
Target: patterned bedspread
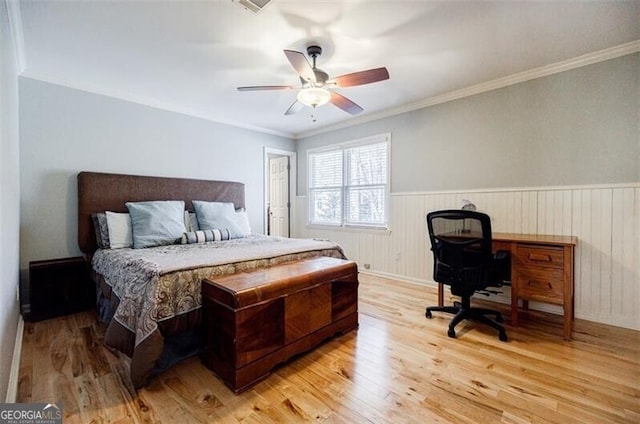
[160,283]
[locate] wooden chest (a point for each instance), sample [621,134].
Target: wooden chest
[257,320]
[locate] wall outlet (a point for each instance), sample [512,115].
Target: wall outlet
[398,256]
[367,266]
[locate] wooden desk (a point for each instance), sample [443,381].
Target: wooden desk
[541,270]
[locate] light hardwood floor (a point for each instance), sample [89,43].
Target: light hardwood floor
[398,367]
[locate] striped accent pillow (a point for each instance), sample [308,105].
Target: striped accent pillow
[203,236]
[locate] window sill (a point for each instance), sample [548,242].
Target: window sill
[370,230]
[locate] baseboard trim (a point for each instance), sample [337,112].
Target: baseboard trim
[502,298]
[405,279]
[14,374]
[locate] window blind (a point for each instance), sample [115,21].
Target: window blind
[349,186]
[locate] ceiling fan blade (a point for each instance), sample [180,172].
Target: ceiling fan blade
[362,77]
[265,87]
[301,65]
[345,104]
[295,107]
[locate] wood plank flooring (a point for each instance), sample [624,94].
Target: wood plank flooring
[398,367]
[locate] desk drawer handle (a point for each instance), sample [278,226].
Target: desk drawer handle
[539,284]
[539,257]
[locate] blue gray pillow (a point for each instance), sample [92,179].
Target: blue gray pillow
[220,215]
[156,223]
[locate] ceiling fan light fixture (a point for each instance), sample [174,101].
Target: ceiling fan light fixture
[314,96]
[314,82]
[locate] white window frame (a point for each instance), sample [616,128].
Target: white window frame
[375,139]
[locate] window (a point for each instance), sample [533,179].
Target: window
[349,183]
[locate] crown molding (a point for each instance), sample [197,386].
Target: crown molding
[543,71]
[145,101]
[15,26]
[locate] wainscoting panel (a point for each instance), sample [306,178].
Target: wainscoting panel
[605,219]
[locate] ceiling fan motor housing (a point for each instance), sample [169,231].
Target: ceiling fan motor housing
[314,51]
[321,78]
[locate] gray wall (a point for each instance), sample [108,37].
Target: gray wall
[65,131]
[9,199]
[576,127]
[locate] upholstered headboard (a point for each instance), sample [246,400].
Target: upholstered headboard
[99,192]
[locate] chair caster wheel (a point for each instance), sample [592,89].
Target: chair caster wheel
[428,314]
[451,333]
[502,337]
[499,319]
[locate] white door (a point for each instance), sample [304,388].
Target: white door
[279,196]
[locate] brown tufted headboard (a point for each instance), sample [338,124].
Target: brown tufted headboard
[99,192]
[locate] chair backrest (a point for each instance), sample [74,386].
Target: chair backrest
[461,246]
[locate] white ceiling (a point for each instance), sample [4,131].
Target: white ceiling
[189,56]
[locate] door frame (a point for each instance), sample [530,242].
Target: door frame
[292,186]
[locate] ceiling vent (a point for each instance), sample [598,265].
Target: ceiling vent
[253,5]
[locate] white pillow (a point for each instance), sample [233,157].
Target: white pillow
[191,221]
[120,234]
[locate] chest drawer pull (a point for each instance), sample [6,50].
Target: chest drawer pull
[538,257]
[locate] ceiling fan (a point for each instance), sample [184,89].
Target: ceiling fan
[316,83]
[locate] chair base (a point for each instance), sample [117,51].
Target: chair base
[462,312]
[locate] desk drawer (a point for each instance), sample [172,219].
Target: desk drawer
[544,285]
[540,256]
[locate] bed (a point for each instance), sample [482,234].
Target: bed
[151,298]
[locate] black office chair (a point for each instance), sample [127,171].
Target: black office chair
[461,245]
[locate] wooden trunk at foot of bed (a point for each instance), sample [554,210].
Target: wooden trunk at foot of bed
[257,320]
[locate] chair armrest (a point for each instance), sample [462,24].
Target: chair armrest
[501,255]
[500,270]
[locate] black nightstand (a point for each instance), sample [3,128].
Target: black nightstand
[59,287]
